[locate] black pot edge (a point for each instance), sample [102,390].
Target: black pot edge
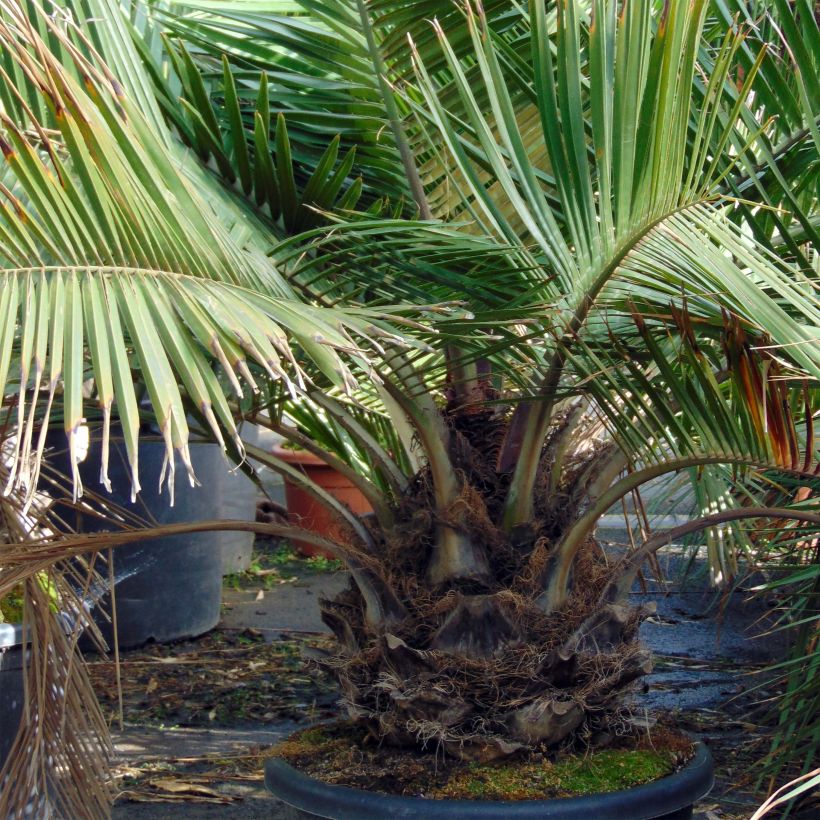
[652,800]
[11,635]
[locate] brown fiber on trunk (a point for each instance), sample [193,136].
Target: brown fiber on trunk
[475,665]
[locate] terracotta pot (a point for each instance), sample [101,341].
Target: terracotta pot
[305,511]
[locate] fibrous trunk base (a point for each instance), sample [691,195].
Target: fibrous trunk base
[481,676]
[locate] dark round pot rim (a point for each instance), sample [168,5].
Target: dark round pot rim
[668,795]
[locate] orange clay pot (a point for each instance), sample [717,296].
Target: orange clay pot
[305,511]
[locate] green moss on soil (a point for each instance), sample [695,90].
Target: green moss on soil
[603,771]
[341,754]
[11,606]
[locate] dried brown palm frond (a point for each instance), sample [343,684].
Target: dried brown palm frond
[59,763]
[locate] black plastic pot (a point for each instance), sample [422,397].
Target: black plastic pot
[11,686]
[167,588]
[670,798]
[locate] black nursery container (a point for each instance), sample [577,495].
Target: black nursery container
[167,588]
[237,499]
[670,798]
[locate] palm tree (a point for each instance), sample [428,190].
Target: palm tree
[124,263]
[614,235]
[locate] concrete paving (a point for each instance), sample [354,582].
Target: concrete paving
[138,745]
[701,637]
[285,608]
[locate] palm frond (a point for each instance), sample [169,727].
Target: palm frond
[60,759]
[108,249]
[240,136]
[61,754]
[318,75]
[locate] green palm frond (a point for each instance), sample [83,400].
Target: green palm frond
[642,215]
[323,76]
[318,75]
[781,167]
[786,34]
[253,153]
[108,249]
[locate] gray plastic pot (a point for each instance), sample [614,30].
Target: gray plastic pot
[236,497]
[167,588]
[11,685]
[670,798]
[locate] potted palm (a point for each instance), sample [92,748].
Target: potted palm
[635,254]
[494,536]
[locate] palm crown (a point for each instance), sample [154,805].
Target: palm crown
[614,270]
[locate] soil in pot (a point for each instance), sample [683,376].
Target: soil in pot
[304,511]
[344,754]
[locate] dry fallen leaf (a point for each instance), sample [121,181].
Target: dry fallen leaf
[260,596]
[153,684]
[175,790]
[175,786]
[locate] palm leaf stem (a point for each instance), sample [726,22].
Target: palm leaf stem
[407,158]
[518,508]
[37,555]
[563,443]
[621,584]
[566,549]
[454,555]
[385,464]
[370,491]
[393,116]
